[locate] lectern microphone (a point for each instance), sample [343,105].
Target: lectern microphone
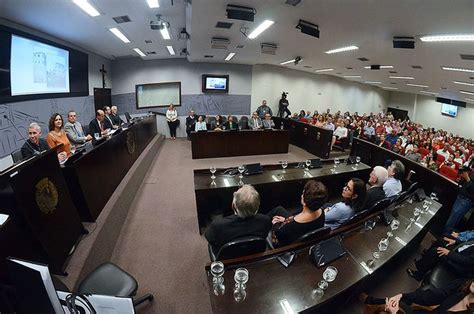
[36,152]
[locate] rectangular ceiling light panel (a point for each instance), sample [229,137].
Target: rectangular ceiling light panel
[153,4]
[260,29]
[119,34]
[87,7]
[343,49]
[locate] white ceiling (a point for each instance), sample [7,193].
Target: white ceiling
[369,24]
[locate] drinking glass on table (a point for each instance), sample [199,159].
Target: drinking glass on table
[241,171]
[393,226]
[357,161]
[329,275]
[382,246]
[336,162]
[284,165]
[307,163]
[241,276]
[217,272]
[213,170]
[97,136]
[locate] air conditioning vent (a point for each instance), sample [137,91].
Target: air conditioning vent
[151,52]
[363,59]
[219,43]
[393,72]
[293,2]
[467,57]
[307,66]
[239,46]
[419,67]
[225,25]
[269,49]
[208,56]
[148,41]
[122,19]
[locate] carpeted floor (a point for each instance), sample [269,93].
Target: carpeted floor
[160,244]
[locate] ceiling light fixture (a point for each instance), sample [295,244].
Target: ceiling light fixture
[230,56]
[402,77]
[466,92]
[287,62]
[427,92]
[458,69]
[438,38]
[87,7]
[343,49]
[119,34]
[323,70]
[260,29]
[381,67]
[417,85]
[153,4]
[463,83]
[372,82]
[165,33]
[351,76]
[139,52]
[170,50]
[386,87]
[469,99]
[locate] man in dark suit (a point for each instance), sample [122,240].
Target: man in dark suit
[116,120]
[35,144]
[107,120]
[190,122]
[375,191]
[97,125]
[245,222]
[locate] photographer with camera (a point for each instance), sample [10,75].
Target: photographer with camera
[465,200]
[283,106]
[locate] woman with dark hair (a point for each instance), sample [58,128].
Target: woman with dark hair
[457,297]
[217,124]
[57,136]
[354,194]
[288,228]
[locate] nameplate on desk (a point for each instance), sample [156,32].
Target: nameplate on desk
[367,268]
[431,212]
[401,241]
[419,225]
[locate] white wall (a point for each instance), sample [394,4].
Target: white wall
[403,101]
[428,113]
[129,72]
[312,91]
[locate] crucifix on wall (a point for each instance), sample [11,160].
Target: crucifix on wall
[103,71]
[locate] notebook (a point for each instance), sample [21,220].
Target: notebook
[326,251]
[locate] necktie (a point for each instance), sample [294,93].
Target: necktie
[101,126]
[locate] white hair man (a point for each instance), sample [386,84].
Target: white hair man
[375,191]
[35,144]
[245,222]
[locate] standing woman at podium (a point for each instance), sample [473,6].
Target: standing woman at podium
[57,136]
[172,118]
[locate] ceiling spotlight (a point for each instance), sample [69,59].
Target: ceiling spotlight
[372,82]
[288,61]
[351,76]
[343,49]
[153,4]
[119,34]
[427,92]
[387,87]
[170,50]
[308,28]
[87,7]
[377,67]
[465,37]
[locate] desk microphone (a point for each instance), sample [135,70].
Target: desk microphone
[35,152]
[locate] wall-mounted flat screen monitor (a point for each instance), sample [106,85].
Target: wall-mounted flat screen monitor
[449,110]
[215,83]
[37,68]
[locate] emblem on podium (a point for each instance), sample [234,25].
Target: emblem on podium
[130,143]
[46,196]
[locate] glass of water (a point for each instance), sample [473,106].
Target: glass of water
[336,162]
[213,170]
[382,246]
[357,161]
[307,163]
[416,213]
[329,275]
[433,196]
[393,226]
[217,272]
[97,136]
[241,171]
[241,276]
[284,165]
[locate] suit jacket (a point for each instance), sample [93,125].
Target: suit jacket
[27,148]
[116,120]
[94,127]
[190,122]
[108,124]
[268,124]
[235,126]
[374,194]
[232,227]
[255,124]
[75,133]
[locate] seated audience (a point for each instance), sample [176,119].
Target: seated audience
[456,255]
[74,130]
[35,144]
[444,151]
[200,125]
[392,137]
[375,191]
[255,122]
[57,136]
[190,123]
[382,142]
[456,297]
[246,221]
[354,194]
[230,124]
[217,124]
[97,126]
[413,154]
[116,120]
[264,109]
[268,122]
[369,130]
[339,133]
[287,227]
[393,185]
[457,157]
[397,148]
[329,125]
[320,122]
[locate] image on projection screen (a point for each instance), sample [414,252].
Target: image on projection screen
[37,68]
[158,95]
[218,83]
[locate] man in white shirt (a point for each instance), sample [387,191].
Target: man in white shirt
[339,133]
[393,185]
[329,125]
[444,151]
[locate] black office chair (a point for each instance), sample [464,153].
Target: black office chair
[236,120]
[128,117]
[85,128]
[403,196]
[439,277]
[239,247]
[109,279]
[385,202]
[356,217]
[17,156]
[244,123]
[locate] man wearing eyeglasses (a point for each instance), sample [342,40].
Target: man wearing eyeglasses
[74,130]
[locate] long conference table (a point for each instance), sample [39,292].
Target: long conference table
[271,288]
[275,186]
[212,144]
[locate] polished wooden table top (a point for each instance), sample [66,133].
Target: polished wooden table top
[273,288]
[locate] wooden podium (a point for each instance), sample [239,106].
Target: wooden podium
[44,224]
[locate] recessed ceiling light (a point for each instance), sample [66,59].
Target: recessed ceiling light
[153,4]
[351,76]
[87,7]
[466,37]
[119,34]
[402,77]
[260,29]
[343,49]
[165,33]
[323,70]
[418,85]
[139,52]
[230,56]
[427,92]
[466,92]
[288,61]
[373,82]
[458,69]
[382,67]
[170,50]
[386,87]
[463,83]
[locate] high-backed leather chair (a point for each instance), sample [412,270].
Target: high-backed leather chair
[17,156]
[239,247]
